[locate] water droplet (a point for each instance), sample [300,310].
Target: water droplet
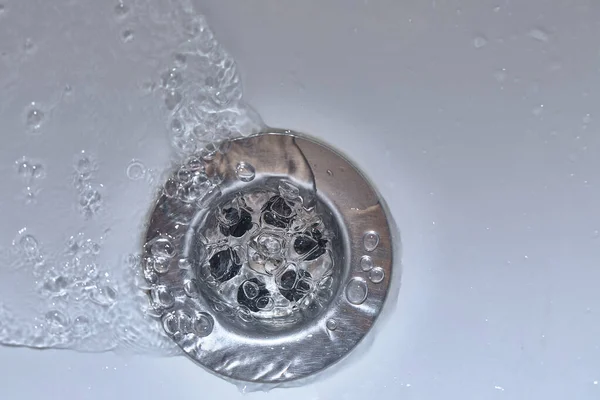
[121,10]
[539,34]
[331,324]
[28,170]
[177,322]
[479,41]
[68,90]
[34,118]
[172,99]
[366,263]
[127,35]
[203,325]
[376,275]
[57,321]
[136,170]
[356,291]
[329,172]
[171,79]
[371,241]
[162,297]
[245,172]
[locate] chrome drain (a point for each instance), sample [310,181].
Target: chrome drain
[269,258]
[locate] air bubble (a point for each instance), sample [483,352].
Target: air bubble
[162,297]
[288,191]
[190,288]
[356,291]
[180,60]
[57,321]
[539,34]
[171,79]
[479,41]
[376,275]
[245,172]
[29,245]
[81,326]
[34,118]
[366,263]
[371,241]
[136,170]
[177,126]
[250,289]
[127,35]
[172,99]
[84,165]
[29,46]
[104,296]
[90,201]
[28,170]
[203,326]
[121,10]
[331,324]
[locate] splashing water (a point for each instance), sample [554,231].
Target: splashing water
[65,288]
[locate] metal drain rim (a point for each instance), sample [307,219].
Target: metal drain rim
[313,348]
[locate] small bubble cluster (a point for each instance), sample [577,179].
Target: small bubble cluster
[202,92]
[30,172]
[89,193]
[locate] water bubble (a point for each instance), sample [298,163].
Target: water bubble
[203,325]
[177,322]
[136,170]
[245,172]
[127,35]
[56,321]
[172,99]
[81,326]
[539,34]
[29,245]
[55,285]
[180,60]
[171,79]
[28,170]
[250,289]
[366,263]
[171,188]
[190,287]
[245,314]
[162,297]
[184,264]
[121,10]
[356,291]
[104,295]
[34,118]
[68,89]
[371,241]
[177,126]
[265,303]
[479,41]
[288,191]
[29,46]
[84,165]
[376,275]
[90,201]
[331,324]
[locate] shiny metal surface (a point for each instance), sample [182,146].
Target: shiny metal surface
[273,349]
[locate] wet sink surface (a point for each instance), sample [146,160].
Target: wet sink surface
[478,123]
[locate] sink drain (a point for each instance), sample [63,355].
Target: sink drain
[269,258]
